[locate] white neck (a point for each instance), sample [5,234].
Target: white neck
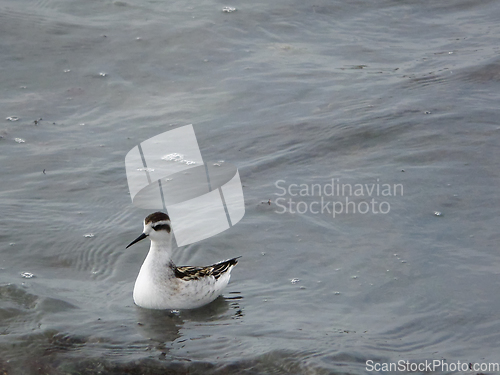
[156,264]
[160,251]
[154,275]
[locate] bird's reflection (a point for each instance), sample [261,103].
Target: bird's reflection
[164,326]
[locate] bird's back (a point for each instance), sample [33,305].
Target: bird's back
[183,287]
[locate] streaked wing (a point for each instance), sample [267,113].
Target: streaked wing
[194,273]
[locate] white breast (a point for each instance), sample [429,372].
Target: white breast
[157,287]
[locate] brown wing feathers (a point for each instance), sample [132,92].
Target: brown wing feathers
[194,273]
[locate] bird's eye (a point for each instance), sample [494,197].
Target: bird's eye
[162,227]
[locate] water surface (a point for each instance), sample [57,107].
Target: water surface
[363,92]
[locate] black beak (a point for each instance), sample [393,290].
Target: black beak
[140,238]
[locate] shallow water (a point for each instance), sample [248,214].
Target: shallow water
[399,93]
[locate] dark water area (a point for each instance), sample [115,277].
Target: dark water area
[395,102]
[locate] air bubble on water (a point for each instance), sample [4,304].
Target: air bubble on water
[438,213]
[173,157]
[337,269]
[22,87]
[12,118]
[27,275]
[67,70]
[228,9]
[177,158]
[88,235]
[19,140]
[82,124]
[138,38]
[145,169]
[294,281]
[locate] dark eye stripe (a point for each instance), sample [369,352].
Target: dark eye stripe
[162,227]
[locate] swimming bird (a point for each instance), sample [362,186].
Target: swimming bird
[162,285]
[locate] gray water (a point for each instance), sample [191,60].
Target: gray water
[390,92]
